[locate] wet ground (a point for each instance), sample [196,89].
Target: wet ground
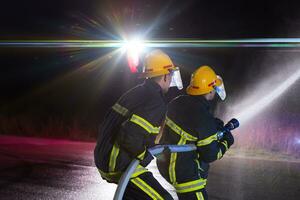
[56,169]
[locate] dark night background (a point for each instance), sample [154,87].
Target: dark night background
[49,92]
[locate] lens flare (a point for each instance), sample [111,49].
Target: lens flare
[133,49]
[255,108]
[179,43]
[136,45]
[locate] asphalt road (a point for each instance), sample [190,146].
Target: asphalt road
[56,169]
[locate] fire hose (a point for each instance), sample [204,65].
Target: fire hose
[158,149]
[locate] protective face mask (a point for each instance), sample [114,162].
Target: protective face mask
[176,80]
[220,90]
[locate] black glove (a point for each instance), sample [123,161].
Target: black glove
[219,124]
[229,138]
[147,159]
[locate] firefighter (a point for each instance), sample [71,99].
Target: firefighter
[131,126]
[189,121]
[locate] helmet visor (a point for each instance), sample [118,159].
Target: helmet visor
[176,80]
[220,89]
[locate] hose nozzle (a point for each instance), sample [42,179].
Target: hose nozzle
[232,124]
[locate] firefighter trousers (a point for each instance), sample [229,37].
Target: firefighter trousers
[145,186]
[195,195]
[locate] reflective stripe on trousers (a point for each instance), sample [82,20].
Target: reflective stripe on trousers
[190,186]
[146,188]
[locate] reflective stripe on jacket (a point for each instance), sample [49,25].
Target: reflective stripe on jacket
[189,121]
[130,127]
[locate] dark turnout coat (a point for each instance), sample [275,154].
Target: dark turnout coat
[129,128]
[189,121]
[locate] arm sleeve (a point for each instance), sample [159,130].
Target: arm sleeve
[213,151]
[140,130]
[208,146]
[131,139]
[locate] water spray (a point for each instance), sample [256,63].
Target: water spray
[251,110]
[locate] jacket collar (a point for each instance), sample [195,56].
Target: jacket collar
[153,85]
[203,101]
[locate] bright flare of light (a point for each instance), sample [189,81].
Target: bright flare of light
[257,107]
[136,45]
[133,49]
[179,43]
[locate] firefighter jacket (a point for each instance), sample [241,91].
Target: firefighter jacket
[129,128]
[189,121]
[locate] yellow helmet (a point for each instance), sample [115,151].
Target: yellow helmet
[204,80]
[157,63]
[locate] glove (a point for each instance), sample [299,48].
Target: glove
[147,159]
[229,138]
[219,124]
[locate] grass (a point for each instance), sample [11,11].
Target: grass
[49,127]
[276,137]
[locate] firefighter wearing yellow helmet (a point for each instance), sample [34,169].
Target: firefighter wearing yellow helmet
[157,64]
[190,121]
[131,126]
[204,80]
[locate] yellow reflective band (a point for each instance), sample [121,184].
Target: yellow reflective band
[120,109]
[225,144]
[190,186]
[198,164]
[173,158]
[139,170]
[220,154]
[144,124]
[172,172]
[111,176]
[146,188]
[142,155]
[179,130]
[113,158]
[115,176]
[208,140]
[199,196]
